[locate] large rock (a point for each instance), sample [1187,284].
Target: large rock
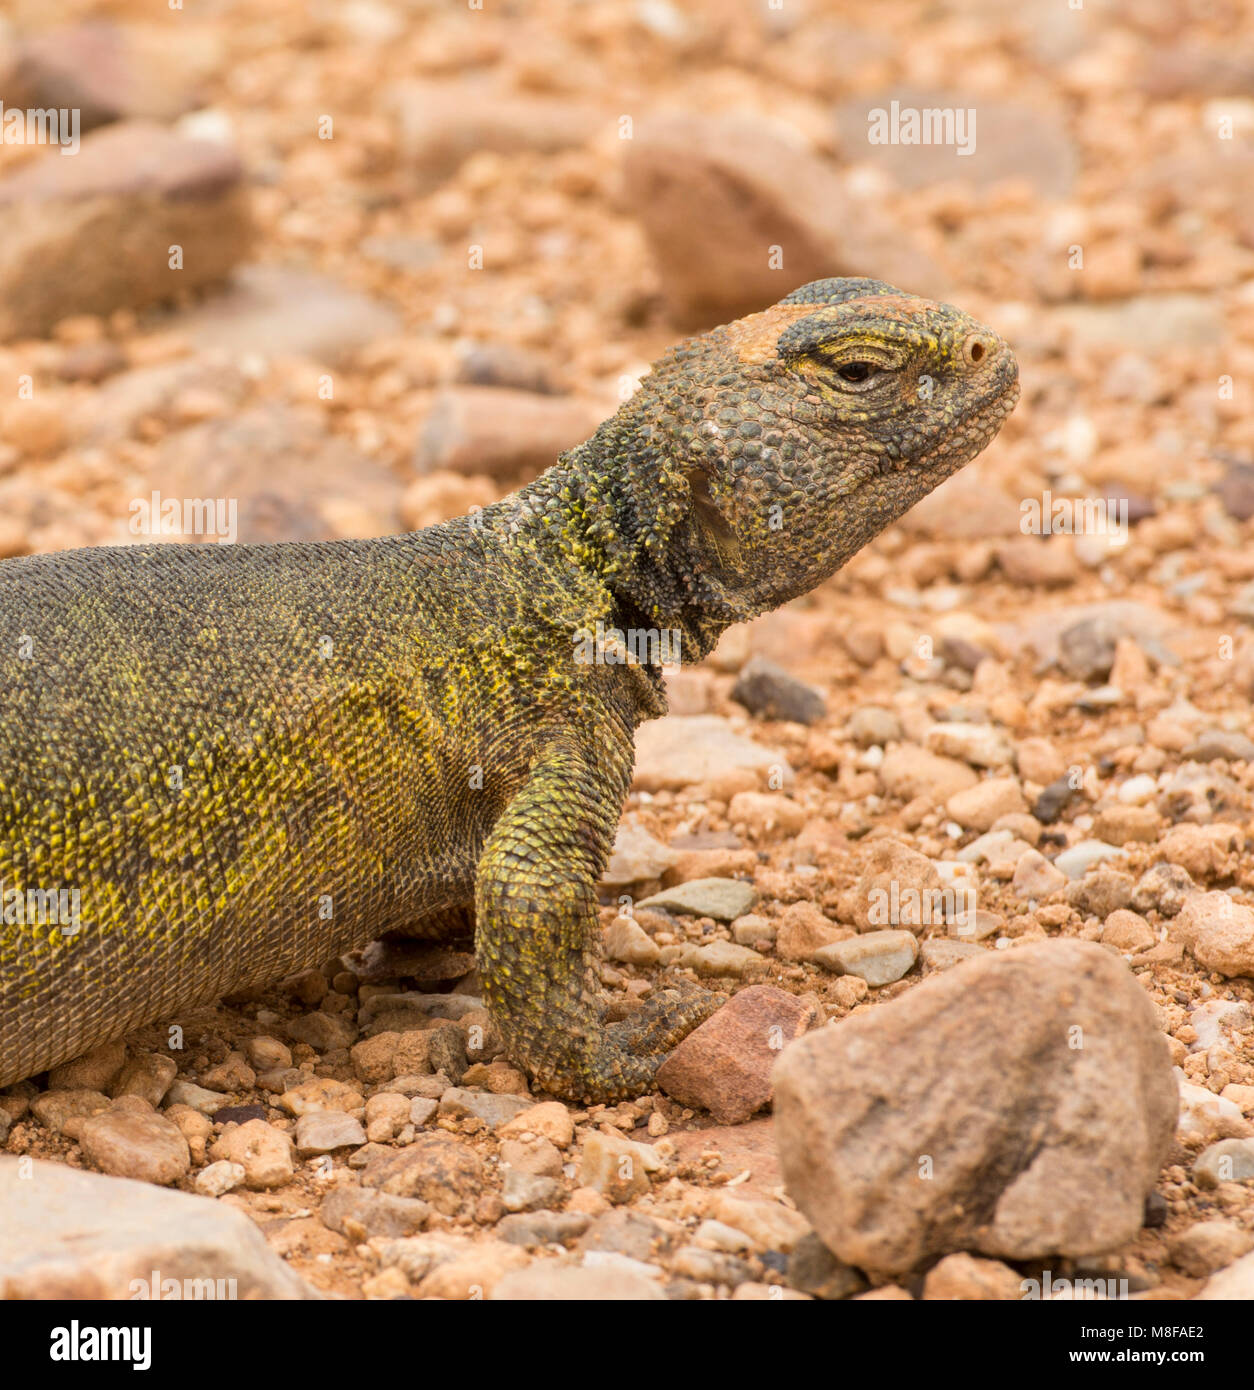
[1007,141]
[92,233]
[503,433]
[442,123]
[107,72]
[73,1235]
[1018,1106]
[287,476]
[1232,1285]
[277,311]
[737,216]
[724,1066]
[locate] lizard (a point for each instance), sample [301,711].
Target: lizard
[234,761]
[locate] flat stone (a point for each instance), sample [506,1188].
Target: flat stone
[325,1131]
[680,750]
[135,1144]
[719,958]
[943,954]
[361,1213]
[878,957]
[724,899]
[272,311]
[981,745]
[421,1006]
[196,1097]
[534,1228]
[636,857]
[77,1236]
[493,1110]
[1077,860]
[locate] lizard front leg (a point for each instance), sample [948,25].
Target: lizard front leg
[538,939]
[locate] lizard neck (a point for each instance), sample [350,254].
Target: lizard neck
[618,508]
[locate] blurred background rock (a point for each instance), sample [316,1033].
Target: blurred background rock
[424,246]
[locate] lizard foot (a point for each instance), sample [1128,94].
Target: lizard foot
[668,1017]
[625,1062]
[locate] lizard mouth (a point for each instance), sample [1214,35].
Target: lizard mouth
[955,445]
[959,444]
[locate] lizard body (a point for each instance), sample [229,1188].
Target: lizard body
[245,759]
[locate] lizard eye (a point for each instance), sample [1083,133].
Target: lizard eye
[855,371]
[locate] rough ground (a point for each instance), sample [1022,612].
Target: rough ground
[459,283]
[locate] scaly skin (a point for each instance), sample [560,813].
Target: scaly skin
[250,758]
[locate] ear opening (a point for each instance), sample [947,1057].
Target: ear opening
[713,524]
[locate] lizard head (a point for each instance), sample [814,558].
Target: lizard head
[801,432]
[757,458]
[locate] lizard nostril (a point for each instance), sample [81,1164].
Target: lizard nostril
[976,348]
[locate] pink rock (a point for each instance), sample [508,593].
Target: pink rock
[725,1065]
